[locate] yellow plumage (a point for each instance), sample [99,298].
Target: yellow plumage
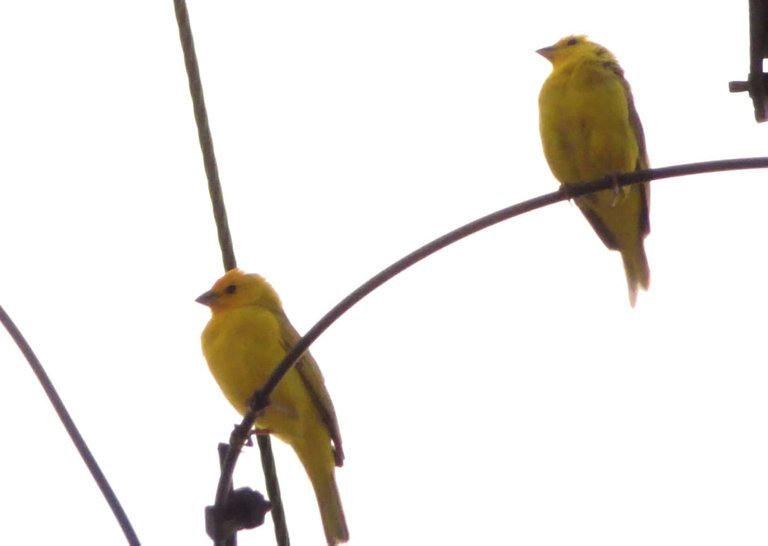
[590,129]
[247,337]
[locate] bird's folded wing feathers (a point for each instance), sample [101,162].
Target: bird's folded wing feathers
[312,377]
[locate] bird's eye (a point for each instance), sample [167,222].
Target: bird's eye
[572,42]
[230,289]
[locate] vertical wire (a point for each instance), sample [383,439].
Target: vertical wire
[225,238]
[204,135]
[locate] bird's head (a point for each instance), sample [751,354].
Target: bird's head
[574,48]
[238,289]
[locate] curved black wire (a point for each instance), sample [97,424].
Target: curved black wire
[260,399]
[71,428]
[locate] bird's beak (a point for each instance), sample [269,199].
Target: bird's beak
[546,52]
[208,298]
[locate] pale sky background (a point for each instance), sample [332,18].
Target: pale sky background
[501,392]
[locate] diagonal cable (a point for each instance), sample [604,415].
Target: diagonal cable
[71,428]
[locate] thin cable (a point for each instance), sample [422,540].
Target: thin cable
[260,398]
[204,134]
[225,240]
[71,428]
[268,465]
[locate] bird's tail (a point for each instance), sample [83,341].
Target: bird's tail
[637,270]
[321,471]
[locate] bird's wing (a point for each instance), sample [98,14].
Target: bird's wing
[312,377]
[642,156]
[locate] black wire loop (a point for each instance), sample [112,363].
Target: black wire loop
[260,398]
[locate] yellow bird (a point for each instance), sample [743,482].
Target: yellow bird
[247,337]
[590,129]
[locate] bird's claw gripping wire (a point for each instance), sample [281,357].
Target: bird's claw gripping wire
[618,191]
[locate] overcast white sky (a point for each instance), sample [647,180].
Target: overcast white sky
[501,392]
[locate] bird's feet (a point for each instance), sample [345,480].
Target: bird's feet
[256,432]
[618,191]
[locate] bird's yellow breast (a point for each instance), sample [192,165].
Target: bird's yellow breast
[584,121]
[243,346]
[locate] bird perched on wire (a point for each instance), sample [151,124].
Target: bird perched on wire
[247,337]
[589,130]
